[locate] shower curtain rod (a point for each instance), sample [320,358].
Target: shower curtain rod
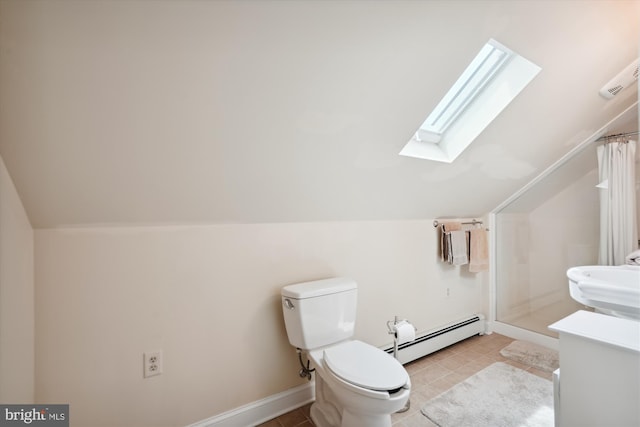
[617,135]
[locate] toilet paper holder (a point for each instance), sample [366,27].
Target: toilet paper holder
[392,326]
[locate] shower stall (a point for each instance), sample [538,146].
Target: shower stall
[548,226]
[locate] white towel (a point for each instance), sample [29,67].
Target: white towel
[458,247]
[633,258]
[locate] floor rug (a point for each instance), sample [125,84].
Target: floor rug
[498,396]
[532,354]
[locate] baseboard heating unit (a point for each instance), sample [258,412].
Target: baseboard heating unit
[436,339]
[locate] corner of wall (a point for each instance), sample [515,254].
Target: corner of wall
[17,315]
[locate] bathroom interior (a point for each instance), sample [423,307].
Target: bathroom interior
[167,167]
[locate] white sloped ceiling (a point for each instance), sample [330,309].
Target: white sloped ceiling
[147,112]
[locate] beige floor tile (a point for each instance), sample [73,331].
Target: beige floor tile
[293,418]
[455,361]
[448,381]
[419,364]
[271,423]
[429,374]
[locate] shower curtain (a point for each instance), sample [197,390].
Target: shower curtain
[618,221]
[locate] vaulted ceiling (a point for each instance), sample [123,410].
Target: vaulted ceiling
[153,112]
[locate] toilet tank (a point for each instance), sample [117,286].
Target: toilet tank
[319,313]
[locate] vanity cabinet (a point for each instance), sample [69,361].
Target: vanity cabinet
[598,383]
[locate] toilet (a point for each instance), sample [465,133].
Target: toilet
[356,383]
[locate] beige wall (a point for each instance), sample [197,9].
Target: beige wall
[208,296]
[16,297]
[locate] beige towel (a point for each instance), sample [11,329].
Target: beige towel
[445,227]
[478,250]
[458,247]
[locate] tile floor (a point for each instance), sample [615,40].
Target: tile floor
[430,376]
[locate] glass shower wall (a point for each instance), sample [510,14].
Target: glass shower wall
[549,227]
[552,224]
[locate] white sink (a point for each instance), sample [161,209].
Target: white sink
[611,290]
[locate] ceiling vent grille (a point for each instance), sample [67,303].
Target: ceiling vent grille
[625,78]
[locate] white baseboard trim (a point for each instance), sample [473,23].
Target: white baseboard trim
[262,410]
[523,334]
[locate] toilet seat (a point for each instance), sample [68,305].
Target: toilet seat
[365,366]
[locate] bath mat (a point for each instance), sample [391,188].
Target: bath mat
[532,354]
[498,396]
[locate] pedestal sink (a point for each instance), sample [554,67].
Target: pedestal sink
[613,290]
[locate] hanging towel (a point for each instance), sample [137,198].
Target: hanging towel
[633,258]
[458,247]
[478,250]
[445,227]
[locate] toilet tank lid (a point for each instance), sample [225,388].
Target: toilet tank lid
[318,288]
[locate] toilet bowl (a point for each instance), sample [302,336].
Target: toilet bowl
[357,385]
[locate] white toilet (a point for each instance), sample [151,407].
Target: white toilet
[357,384]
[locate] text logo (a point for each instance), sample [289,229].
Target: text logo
[34,415]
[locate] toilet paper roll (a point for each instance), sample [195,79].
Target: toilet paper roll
[405,332]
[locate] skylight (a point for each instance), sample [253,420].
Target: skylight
[491,81]
[484,66]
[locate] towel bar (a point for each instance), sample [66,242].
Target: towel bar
[472,222]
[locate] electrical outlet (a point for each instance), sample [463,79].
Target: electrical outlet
[448,292]
[152,363]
